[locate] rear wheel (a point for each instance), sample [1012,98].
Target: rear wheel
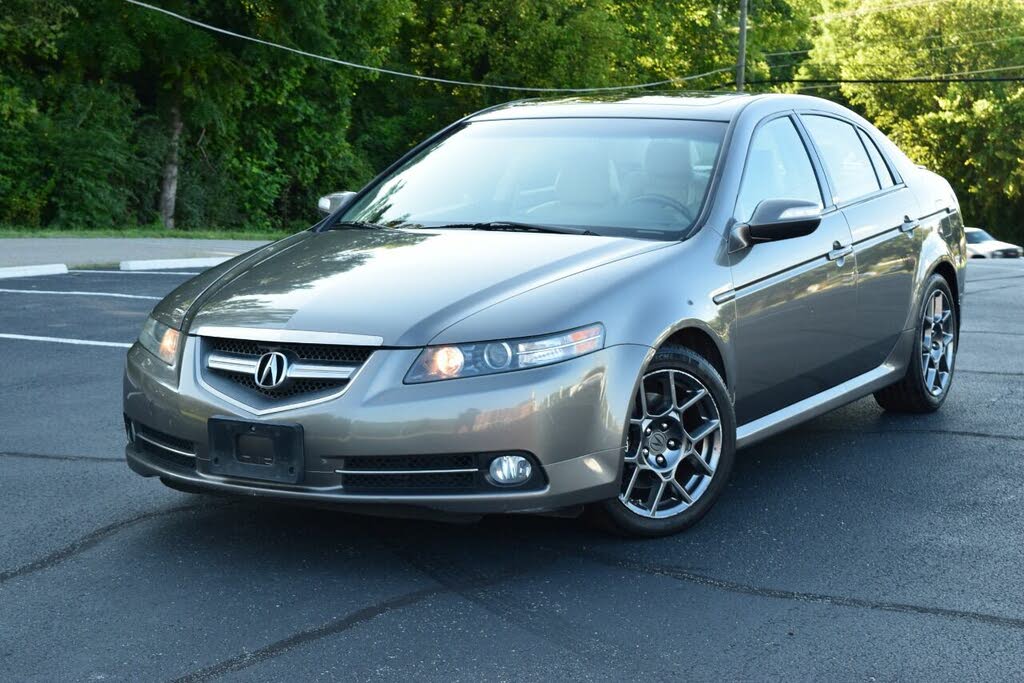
[930,372]
[680,447]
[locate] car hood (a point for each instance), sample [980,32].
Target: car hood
[404,286]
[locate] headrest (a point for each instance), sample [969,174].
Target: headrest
[585,178]
[668,158]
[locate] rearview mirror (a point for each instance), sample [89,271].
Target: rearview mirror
[777,219]
[330,203]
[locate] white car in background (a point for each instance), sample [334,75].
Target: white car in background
[980,244]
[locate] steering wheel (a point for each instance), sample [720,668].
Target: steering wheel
[665,201]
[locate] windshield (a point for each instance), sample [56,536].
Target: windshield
[978,236]
[626,177]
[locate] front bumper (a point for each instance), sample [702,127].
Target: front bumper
[570,416]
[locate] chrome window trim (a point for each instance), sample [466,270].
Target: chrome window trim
[288,336]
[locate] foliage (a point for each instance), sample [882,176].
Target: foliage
[88,91]
[968,132]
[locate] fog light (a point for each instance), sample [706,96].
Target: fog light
[509,470]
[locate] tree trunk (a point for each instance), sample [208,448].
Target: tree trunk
[169,185]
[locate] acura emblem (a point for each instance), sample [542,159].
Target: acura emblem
[271,370]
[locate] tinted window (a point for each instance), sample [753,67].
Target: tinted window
[978,236]
[844,156]
[777,168]
[881,170]
[632,177]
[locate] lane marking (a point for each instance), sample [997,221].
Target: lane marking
[79,293]
[32,271]
[134,272]
[62,340]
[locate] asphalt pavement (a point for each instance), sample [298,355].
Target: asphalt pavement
[859,546]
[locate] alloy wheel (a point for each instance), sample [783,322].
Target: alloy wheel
[673,445]
[938,344]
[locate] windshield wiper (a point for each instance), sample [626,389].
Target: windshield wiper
[513,226]
[363,225]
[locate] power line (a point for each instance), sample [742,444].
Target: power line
[829,16]
[898,42]
[403,74]
[919,50]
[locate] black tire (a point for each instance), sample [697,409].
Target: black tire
[910,394]
[614,516]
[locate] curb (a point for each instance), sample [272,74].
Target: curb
[29,271]
[162,264]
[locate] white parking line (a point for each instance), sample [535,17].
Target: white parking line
[134,272]
[62,340]
[78,293]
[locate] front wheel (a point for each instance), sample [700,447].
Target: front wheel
[680,447]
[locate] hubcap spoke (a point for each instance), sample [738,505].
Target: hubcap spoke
[692,400]
[658,493]
[703,431]
[632,483]
[699,463]
[683,494]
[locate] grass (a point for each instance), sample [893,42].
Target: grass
[145,231]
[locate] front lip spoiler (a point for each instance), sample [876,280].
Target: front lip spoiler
[542,500]
[480,502]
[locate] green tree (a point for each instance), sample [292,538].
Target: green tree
[967,131]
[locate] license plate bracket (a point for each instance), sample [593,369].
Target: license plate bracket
[255,450]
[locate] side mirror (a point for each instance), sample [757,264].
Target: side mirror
[330,203]
[776,219]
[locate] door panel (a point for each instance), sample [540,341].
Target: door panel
[887,257]
[795,305]
[793,321]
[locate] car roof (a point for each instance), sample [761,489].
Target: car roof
[669,105]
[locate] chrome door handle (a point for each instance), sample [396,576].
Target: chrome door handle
[909,224]
[839,251]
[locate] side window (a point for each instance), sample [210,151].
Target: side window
[777,168]
[844,156]
[881,170]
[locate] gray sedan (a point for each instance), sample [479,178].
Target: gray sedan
[562,306]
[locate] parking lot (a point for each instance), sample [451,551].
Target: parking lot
[861,545]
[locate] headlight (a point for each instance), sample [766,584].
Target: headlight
[487,358]
[160,340]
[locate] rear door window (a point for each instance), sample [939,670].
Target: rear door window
[881,170]
[844,155]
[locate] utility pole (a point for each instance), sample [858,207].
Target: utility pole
[741,61]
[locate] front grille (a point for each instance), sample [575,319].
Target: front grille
[405,482]
[409,462]
[298,387]
[327,353]
[241,383]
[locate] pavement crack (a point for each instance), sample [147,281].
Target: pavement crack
[88,541]
[998,373]
[331,628]
[948,432]
[687,576]
[68,458]
[544,624]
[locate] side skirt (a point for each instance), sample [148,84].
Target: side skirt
[852,389]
